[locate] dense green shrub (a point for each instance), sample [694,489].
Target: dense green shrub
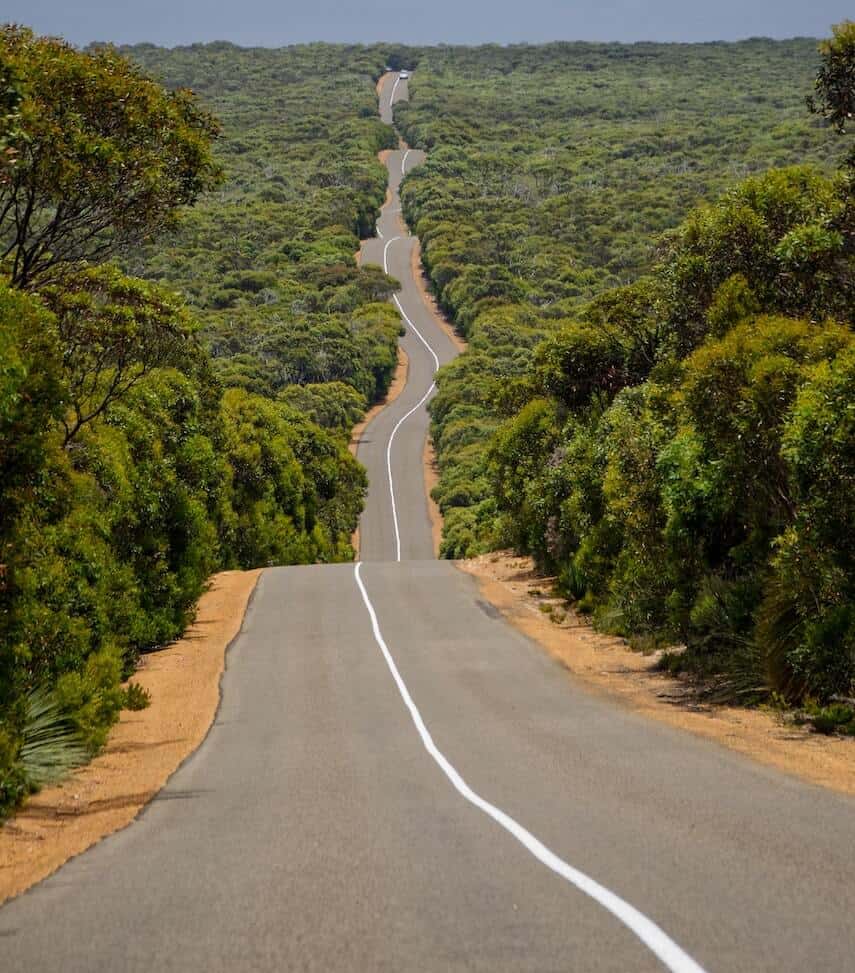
[814,562]
[542,212]
[108,538]
[127,473]
[677,448]
[93,697]
[267,263]
[31,398]
[333,405]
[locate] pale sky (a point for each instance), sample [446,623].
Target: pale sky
[279,22]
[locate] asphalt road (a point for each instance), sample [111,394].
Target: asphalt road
[401,531]
[397,780]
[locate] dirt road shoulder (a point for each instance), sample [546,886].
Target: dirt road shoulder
[607,665]
[144,748]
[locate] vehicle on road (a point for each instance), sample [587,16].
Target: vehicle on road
[404,75]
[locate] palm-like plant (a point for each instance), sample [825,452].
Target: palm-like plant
[51,747]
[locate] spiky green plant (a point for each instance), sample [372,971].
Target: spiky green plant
[51,747]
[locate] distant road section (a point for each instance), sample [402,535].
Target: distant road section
[396,524]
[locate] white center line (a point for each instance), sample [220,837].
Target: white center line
[403,419]
[389,243]
[654,938]
[398,425]
[397,301]
[419,335]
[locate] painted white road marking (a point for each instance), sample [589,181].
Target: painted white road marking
[403,419]
[398,425]
[394,89]
[419,335]
[397,301]
[389,243]
[654,938]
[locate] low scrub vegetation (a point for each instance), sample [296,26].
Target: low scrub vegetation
[664,420]
[158,427]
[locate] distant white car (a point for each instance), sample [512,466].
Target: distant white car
[404,75]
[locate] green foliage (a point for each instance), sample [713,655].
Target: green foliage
[267,264]
[518,450]
[50,746]
[563,163]
[93,698]
[787,234]
[676,448]
[475,390]
[285,485]
[128,474]
[31,400]
[834,718]
[104,156]
[814,563]
[552,174]
[333,405]
[13,780]
[136,697]
[10,105]
[579,364]
[113,330]
[835,82]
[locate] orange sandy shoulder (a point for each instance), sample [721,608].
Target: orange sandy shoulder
[607,665]
[429,462]
[144,748]
[431,472]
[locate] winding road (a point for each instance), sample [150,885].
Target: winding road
[395,525]
[397,780]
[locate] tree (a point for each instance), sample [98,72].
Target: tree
[105,157]
[579,363]
[332,405]
[835,82]
[113,330]
[814,564]
[10,101]
[31,395]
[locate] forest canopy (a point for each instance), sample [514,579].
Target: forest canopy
[186,342]
[651,250]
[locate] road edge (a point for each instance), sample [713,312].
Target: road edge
[396,386]
[144,748]
[605,666]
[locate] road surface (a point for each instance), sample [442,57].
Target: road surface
[395,524]
[396,780]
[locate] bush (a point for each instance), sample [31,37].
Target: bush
[126,475]
[93,698]
[814,563]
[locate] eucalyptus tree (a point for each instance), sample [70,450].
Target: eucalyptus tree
[104,157]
